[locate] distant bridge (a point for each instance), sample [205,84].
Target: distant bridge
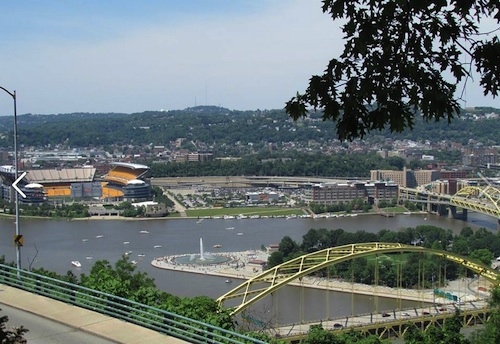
[484,200]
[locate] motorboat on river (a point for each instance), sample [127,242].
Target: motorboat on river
[76,263]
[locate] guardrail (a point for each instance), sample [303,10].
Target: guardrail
[153,318]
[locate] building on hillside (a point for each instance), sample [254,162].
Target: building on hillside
[453,174]
[336,193]
[406,178]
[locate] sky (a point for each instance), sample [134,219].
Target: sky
[132,56]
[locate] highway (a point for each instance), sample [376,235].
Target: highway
[45,331]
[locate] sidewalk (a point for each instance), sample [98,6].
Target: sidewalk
[85,320]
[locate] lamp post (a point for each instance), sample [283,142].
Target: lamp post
[16,172]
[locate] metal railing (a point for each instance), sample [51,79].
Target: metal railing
[171,324]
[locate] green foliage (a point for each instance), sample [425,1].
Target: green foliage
[356,205]
[482,255]
[449,334]
[491,331]
[13,335]
[121,281]
[300,164]
[124,281]
[161,197]
[318,335]
[65,210]
[233,133]
[437,270]
[395,59]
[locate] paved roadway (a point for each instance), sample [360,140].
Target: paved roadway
[76,321]
[45,331]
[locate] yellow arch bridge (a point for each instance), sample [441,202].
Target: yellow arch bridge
[484,200]
[279,276]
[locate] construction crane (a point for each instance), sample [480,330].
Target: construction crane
[489,185]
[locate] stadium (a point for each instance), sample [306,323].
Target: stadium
[123,182]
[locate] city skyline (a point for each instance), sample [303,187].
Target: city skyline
[124,56]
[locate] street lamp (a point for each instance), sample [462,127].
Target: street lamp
[16,172]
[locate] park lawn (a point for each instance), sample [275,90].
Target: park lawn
[248,211]
[395,209]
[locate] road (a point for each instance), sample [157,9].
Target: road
[45,331]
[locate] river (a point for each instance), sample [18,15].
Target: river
[54,244]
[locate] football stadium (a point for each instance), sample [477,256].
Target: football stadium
[123,182]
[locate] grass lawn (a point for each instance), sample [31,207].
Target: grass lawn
[394,209]
[248,211]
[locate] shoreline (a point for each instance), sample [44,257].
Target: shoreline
[217,217]
[243,270]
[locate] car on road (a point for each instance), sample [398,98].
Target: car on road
[405,314]
[337,325]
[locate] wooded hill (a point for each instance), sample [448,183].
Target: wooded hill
[219,127]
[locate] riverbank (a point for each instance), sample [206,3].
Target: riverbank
[244,265]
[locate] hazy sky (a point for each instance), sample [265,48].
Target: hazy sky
[133,56]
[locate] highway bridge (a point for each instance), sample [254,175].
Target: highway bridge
[180,329]
[385,324]
[484,200]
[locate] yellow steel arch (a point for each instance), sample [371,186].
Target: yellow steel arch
[270,280]
[484,200]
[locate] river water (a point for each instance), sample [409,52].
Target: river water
[54,244]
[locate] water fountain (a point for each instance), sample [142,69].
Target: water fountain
[202,255]
[202,258]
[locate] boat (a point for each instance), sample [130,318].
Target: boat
[229,280]
[157,246]
[140,255]
[229,228]
[76,263]
[240,233]
[126,242]
[128,252]
[217,246]
[134,262]
[85,240]
[99,236]
[89,257]
[144,232]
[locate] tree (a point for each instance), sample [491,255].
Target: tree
[396,61]
[491,331]
[482,255]
[13,335]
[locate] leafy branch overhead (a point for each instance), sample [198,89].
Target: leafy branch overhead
[402,58]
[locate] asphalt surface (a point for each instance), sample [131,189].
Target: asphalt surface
[45,331]
[75,322]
